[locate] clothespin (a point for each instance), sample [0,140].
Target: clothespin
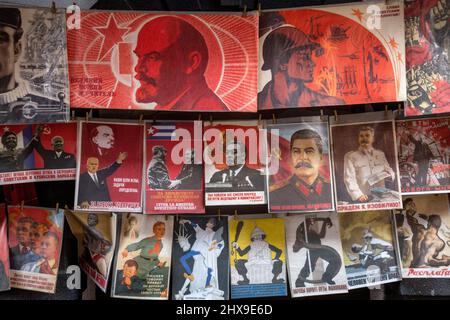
[73,115]
[235,215]
[21,206]
[210,121]
[274,119]
[259,119]
[177,217]
[321,114]
[199,117]
[385,110]
[141,119]
[53,7]
[259,8]
[244,14]
[87,116]
[399,107]
[166,217]
[335,115]
[218,213]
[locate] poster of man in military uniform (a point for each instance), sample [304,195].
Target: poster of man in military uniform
[257,257]
[96,236]
[365,162]
[110,180]
[174,167]
[142,266]
[423,155]
[302,182]
[38,152]
[34,86]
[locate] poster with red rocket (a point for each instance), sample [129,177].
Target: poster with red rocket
[332,55]
[160,61]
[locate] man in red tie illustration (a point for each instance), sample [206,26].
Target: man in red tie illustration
[150,247]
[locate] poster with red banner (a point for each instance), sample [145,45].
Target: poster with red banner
[300,180]
[164,61]
[234,155]
[39,152]
[35,241]
[427,27]
[424,155]
[174,167]
[4,253]
[332,55]
[109,174]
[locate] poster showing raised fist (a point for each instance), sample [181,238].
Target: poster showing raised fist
[332,55]
[110,166]
[38,152]
[34,73]
[162,61]
[424,155]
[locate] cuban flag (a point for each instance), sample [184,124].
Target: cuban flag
[164,131]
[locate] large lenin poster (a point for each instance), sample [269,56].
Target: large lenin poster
[332,55]
[156,61]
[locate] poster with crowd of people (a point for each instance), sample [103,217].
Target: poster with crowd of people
[368,244]
[257,257]
[234,159]
[172,62]
[314,255]
[143,262]
[200,256]
[96,235]
[365,162]
[424,155]
[109,172]
[35,241]
[299,170]
[4,252]
[423,234]
[174,167]
[332,55]
[427,44]
[34,86]
[33,153]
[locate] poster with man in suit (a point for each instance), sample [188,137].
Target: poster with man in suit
[234,163]
[112,180]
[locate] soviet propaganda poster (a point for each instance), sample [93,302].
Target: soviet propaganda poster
[159,61]
[332,55]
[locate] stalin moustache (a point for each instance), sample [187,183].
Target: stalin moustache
[303,164]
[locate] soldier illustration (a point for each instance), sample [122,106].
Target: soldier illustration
[17,103]
[287,54]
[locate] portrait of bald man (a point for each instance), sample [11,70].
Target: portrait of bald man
[93,184]
[172,59]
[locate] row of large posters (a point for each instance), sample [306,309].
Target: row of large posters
[219,257]
[334,55]
[295,165]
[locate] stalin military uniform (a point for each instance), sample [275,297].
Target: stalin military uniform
[148,259]
[295,192]
[359,165]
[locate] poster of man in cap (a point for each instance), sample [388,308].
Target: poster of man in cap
[176,62]
[34,75]
[32,152]
[331,55]
[110,167]
[174,167]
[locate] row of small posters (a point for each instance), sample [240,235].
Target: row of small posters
[180,166]
[334,55]
[219,257]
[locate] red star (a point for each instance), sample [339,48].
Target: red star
[151,131]
[393,43]
[111,34]
[358,14]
